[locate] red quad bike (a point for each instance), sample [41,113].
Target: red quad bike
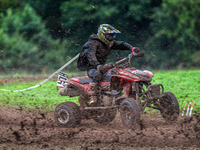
[122,88]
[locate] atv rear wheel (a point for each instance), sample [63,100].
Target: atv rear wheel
[105,116]
[129,112]
[169,107]
[67,114]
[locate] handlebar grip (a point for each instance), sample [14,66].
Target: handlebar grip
[141,54]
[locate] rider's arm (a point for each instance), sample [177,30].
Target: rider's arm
[121,45]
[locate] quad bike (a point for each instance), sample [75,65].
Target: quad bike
[122,88]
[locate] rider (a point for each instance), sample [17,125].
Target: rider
[95,52]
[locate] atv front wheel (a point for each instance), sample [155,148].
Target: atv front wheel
[169,107]
[129,112]
[67,114]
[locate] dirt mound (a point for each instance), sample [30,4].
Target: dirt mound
[33,129]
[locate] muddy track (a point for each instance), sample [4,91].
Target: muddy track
[33,129]
[36,129]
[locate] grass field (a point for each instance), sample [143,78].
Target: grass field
[184,84]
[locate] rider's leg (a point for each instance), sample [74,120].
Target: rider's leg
[96,76]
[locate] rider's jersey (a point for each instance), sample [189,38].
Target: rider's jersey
[95,52]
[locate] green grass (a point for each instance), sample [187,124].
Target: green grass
[184,84]
[44,97]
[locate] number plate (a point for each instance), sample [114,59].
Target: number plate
[62,78]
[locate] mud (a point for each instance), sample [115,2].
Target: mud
[34,129]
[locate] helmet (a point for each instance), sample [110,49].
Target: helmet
[107,33]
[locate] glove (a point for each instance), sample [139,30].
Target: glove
[135,49]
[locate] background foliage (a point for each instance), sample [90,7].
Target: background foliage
[40,35]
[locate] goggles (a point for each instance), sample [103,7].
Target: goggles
[110,36]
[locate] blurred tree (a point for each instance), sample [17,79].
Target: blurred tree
[5,4]
[49,10]
[81,17]
[166,29]
[176,26]
[26,44]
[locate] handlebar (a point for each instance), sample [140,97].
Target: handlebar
[141,54]
[111,65]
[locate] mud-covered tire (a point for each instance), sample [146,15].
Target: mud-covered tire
[105,116]
[169,107]
[67,114]
[129,112]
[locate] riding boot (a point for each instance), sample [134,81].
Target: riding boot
[94,91]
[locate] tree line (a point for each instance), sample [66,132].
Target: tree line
[40,35]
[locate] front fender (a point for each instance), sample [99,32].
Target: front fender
[118,82]
[127,89]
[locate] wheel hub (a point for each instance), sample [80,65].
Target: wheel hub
[63,116]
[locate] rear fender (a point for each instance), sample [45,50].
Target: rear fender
[69,92]
[83,88]
[74,89]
